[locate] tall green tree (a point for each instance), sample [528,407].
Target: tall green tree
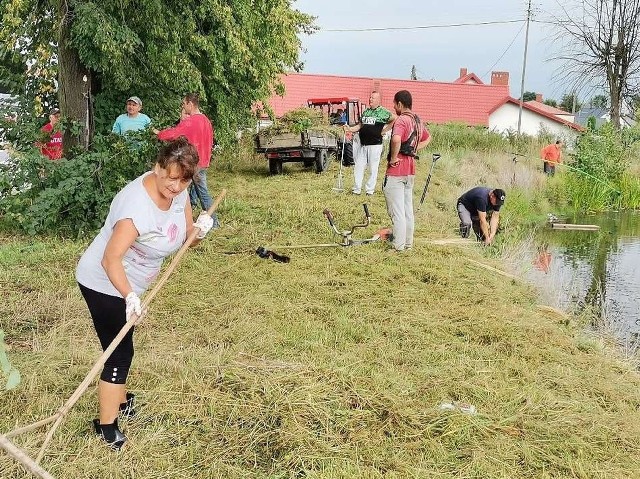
[12,71]
[529,96]
[231,52]
[599,101]
[570,103]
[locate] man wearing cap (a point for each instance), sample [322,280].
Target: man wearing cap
[133,120]
[473,208]
[52,149]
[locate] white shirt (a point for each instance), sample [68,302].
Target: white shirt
[161,233]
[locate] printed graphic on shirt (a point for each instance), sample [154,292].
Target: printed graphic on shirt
[373,121]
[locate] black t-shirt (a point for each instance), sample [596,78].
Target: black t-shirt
[477,199]
[372,122]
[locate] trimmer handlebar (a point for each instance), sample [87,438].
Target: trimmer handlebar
[348,233]
[366,212]
[329,216]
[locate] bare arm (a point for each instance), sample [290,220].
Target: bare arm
[353,129]
[123,235]
[389,125]
[423,144]
[493,226]
[484,226]
[394,149]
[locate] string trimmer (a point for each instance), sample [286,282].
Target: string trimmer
[347,238]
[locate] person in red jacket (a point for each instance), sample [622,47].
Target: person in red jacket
[52,149]
[198,131]
[551,156]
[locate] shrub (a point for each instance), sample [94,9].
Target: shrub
[596,170]
[70,196]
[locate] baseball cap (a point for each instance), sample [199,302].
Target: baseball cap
[500,196]
[135,99]
[54,111]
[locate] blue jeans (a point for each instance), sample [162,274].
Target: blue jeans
[199,191]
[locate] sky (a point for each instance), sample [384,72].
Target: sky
[437,53]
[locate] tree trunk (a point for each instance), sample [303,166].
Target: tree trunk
[615,106]
[74,87]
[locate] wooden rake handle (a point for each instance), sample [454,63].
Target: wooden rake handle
[20,456]
[125,329]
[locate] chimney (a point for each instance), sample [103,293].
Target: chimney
[463,72]
[539,97]
[500,78]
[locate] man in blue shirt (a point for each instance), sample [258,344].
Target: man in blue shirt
[133,120]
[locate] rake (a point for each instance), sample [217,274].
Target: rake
[21,456]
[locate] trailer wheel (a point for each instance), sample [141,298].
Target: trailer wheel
[275,166]
[322,161]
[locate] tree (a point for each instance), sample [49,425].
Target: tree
[570,103]
[230,52]
[551,102]
[599,101]
[601,46]
[528,96]
[414,75]
[12,71]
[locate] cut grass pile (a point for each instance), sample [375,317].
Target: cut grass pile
[331,366]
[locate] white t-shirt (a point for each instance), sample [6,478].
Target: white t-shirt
[160,234]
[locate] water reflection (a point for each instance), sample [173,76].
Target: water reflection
[601,270]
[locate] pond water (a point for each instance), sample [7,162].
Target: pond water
[599,270]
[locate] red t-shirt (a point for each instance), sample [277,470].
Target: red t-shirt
[198,131]
[404,126]
[53,148]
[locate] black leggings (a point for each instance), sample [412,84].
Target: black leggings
[109,316]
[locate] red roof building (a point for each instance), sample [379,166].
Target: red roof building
[466,100]
[433,102]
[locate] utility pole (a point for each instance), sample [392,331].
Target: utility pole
[524,66]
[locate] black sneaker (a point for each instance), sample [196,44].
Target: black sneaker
[111,434]
[128,408]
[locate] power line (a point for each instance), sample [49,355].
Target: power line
[421,27]
[506,50]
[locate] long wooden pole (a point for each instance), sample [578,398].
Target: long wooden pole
[20,456]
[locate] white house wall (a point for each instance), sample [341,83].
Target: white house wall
[505,119]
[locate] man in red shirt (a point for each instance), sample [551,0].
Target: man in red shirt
[551,155]
[408,136]
[52,149]
[198,131]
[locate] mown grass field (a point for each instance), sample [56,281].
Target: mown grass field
[335,364]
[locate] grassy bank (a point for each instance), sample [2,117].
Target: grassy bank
[331,366]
